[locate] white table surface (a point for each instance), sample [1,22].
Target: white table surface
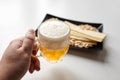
[17,16]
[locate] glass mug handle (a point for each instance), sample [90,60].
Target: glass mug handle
[36,39]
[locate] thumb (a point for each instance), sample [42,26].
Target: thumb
[28,41]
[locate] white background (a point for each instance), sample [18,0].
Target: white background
[17,16]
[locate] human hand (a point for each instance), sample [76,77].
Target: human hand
[18,57]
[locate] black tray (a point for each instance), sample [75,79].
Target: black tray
[99,26]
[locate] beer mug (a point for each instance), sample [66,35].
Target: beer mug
[53,37]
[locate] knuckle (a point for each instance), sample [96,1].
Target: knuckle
[30,36]
[23,53]
[11,42]
[27,49]
[26,56]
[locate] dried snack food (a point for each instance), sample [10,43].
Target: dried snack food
[83,43]
[87,27]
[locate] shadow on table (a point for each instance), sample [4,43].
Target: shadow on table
[63,74]
[98,55]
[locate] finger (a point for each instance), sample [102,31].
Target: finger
[17,43]
[31,68]
[28,41]
[37,64]
[35,48]
[32,65]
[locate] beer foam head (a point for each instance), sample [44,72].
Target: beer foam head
[53,34]
[54,29]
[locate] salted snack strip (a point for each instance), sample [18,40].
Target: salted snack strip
[95,36]
[74,36]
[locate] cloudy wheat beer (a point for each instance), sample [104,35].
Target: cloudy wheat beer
[53,37]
